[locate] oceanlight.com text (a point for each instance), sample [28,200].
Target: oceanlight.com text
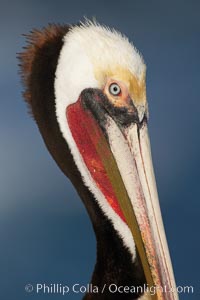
[65,289]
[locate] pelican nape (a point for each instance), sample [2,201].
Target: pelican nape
[85,85]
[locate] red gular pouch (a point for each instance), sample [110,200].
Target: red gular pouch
[95,150]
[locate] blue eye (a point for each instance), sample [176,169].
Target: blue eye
[114,89]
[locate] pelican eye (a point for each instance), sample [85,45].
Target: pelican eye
[114,89]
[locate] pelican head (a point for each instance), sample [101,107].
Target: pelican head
[85,85]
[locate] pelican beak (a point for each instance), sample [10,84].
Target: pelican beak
[146,221]
[118,158]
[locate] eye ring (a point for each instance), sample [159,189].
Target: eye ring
[114,89]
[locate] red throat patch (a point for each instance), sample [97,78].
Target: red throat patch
[94,150]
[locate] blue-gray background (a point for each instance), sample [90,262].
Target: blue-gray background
[45,233]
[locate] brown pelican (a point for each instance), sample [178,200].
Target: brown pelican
[85,86]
